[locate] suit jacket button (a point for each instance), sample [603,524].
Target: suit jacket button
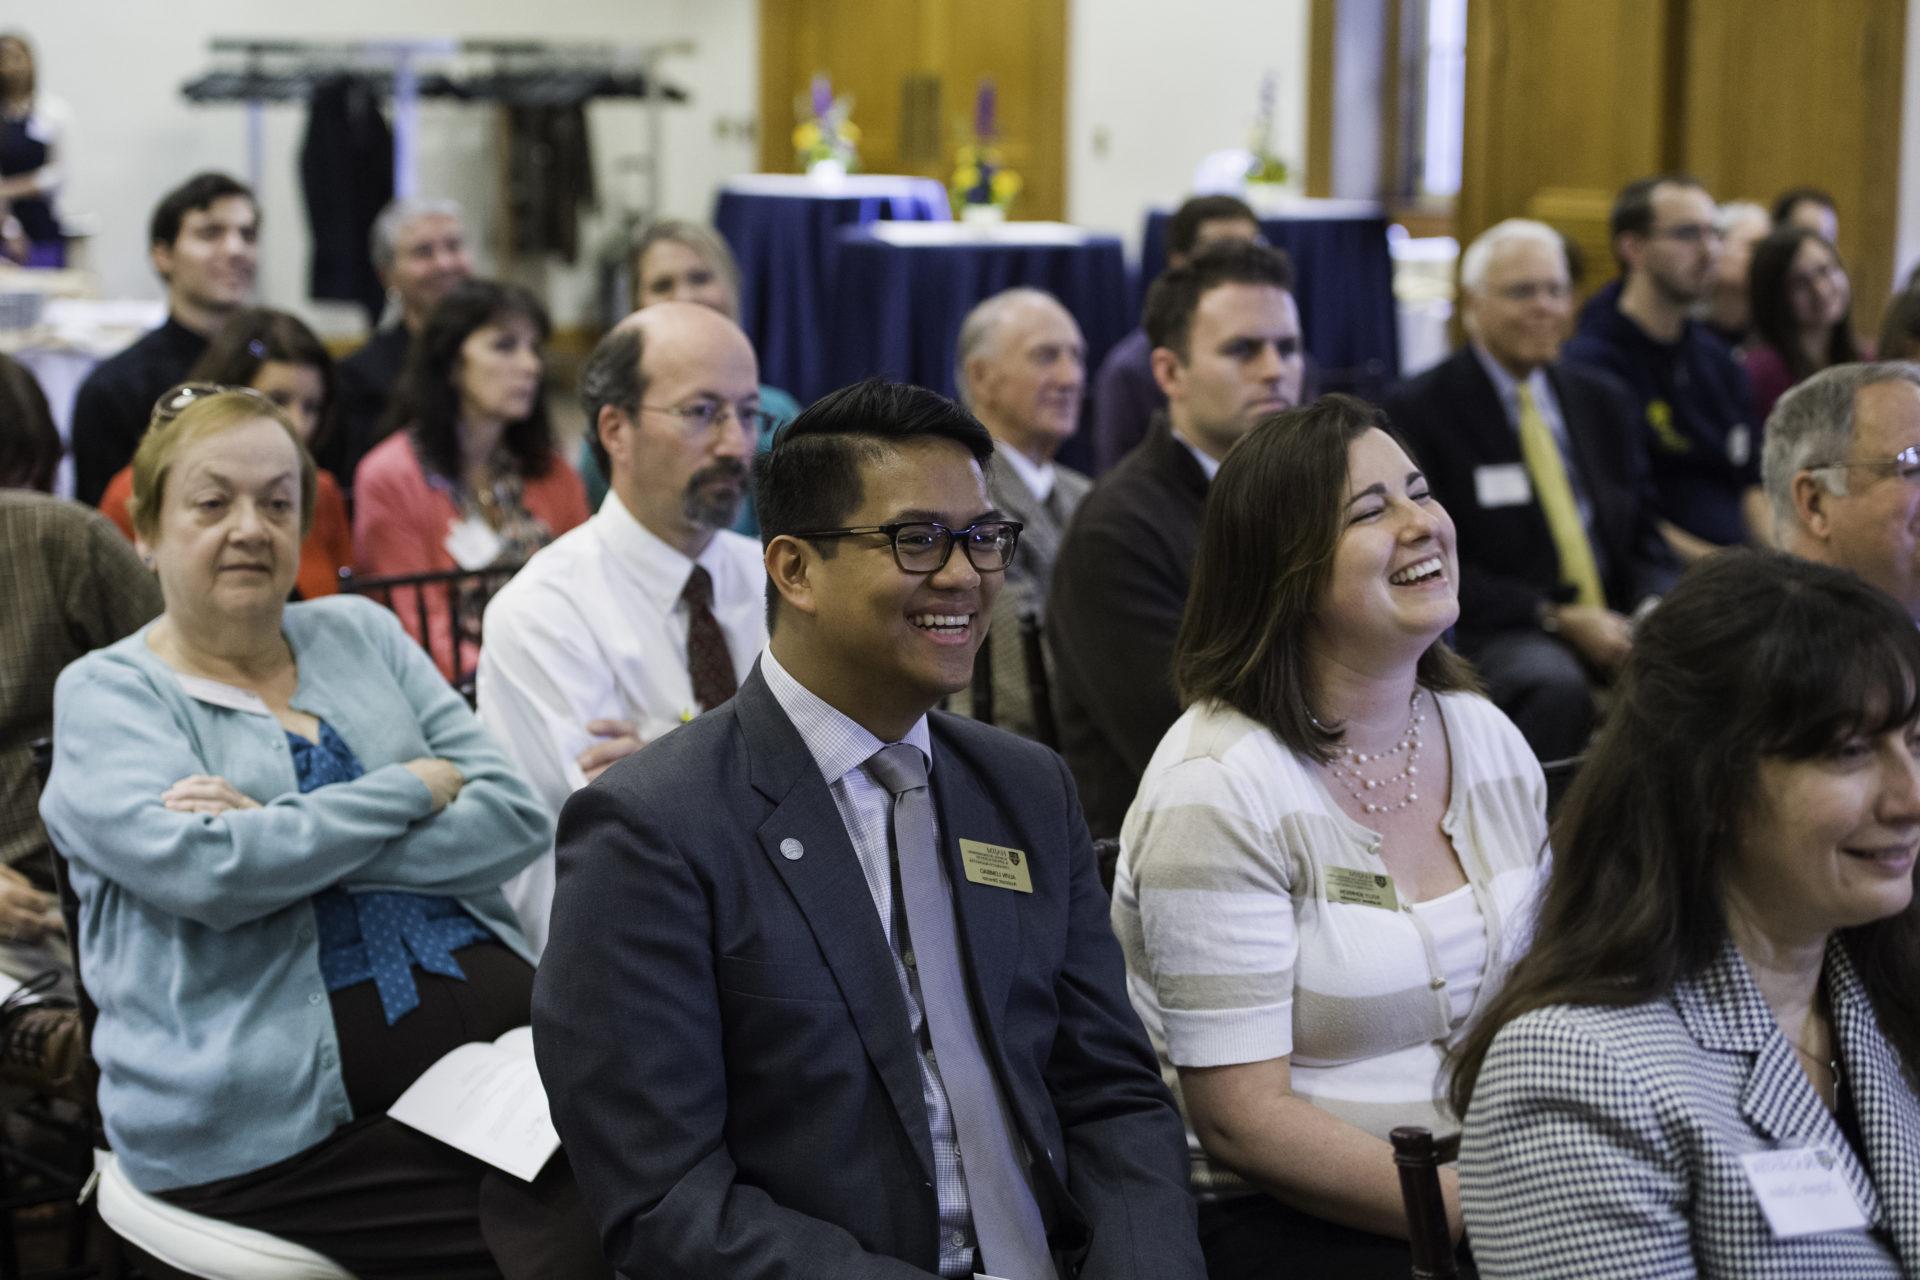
[792,849]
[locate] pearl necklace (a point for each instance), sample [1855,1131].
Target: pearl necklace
[1369,792]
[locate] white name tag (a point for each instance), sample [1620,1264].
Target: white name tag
[1739,445]
[472,543]
[1504,485]
[1802,1191]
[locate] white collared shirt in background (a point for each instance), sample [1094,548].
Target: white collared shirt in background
[593,628]
[1037,476]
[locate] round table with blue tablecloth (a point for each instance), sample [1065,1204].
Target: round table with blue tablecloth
[904,288]
[783,229]
[1343,277]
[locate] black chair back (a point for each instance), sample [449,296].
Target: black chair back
[460,594]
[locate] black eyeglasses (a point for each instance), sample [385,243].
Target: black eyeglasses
[924,547]
[174,400]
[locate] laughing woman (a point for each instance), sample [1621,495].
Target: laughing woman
[1332,858]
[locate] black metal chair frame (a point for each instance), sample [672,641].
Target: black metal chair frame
[463,607]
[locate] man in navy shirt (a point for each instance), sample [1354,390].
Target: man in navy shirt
[1702,442]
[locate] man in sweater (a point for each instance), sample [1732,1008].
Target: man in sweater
[202,243]
[1227,352]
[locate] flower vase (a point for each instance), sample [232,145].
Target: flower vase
[983,215]
[827,170]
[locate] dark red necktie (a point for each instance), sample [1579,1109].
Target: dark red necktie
[708,661]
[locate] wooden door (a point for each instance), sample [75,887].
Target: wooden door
[913,68]
[1783,93]
[1566,102]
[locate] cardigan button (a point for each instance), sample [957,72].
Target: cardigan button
[1439,983]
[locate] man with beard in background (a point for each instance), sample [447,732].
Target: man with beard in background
[648,614]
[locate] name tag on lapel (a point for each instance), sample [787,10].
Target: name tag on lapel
[1802,1191]
[1503,485]
[472,543]
[996,866]
[1361,889]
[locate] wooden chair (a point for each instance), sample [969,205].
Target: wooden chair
[1419,1155]
[421,598]
[164,1241]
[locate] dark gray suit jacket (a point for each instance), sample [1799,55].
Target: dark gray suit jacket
[726,1045]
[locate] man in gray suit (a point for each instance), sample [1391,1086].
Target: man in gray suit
[1021,367]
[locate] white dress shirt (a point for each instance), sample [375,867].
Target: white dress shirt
[1037,476]
[593,628]
[840,747]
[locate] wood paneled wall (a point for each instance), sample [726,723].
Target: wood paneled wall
[913,68]
[1567,101]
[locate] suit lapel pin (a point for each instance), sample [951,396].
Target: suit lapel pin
[792,849]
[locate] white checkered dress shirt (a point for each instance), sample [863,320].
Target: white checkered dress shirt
[841,749]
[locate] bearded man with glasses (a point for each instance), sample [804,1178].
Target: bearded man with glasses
[1842,472]
[830,989]
[649,613]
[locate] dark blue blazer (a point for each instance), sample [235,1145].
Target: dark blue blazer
[726,1046]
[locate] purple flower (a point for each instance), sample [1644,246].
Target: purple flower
[983,111]
[822,97]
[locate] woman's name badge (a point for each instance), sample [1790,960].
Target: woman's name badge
[1802,1191]
[1361,889]
[472,543]
[996,866]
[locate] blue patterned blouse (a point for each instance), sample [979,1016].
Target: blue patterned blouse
[378,935]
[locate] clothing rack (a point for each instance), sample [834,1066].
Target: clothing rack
[526,72]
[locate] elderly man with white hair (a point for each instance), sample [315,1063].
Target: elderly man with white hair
[1842,473]
[419,248]
[1542,467]
[1021,368]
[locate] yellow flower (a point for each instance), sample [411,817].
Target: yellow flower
[966,178]
[849,131]
[1006,185]
[806,136]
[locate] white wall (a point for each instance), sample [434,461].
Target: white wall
[1153,87]
[119,64]
[1148,97]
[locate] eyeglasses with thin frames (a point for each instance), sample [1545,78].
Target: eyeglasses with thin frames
[1905,464]
[705,415]
[922,546]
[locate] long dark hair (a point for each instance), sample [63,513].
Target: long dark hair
[30,448]
[1754,654]
[428,399]
[1773,306]
[1273,519]
[251,338]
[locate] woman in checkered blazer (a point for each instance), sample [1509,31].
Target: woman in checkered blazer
[1706,1064]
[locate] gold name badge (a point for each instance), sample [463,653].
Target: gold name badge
[1361,888]
[996,866]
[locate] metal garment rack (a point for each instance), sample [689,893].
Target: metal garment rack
[281,69]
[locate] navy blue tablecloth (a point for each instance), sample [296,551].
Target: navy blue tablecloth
[898,308]
[1343,285]
[786,243]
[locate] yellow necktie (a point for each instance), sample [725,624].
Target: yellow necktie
[1551,487]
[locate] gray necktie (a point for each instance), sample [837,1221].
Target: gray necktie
[1006,1218]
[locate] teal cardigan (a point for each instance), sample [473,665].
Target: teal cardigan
[215,1039]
